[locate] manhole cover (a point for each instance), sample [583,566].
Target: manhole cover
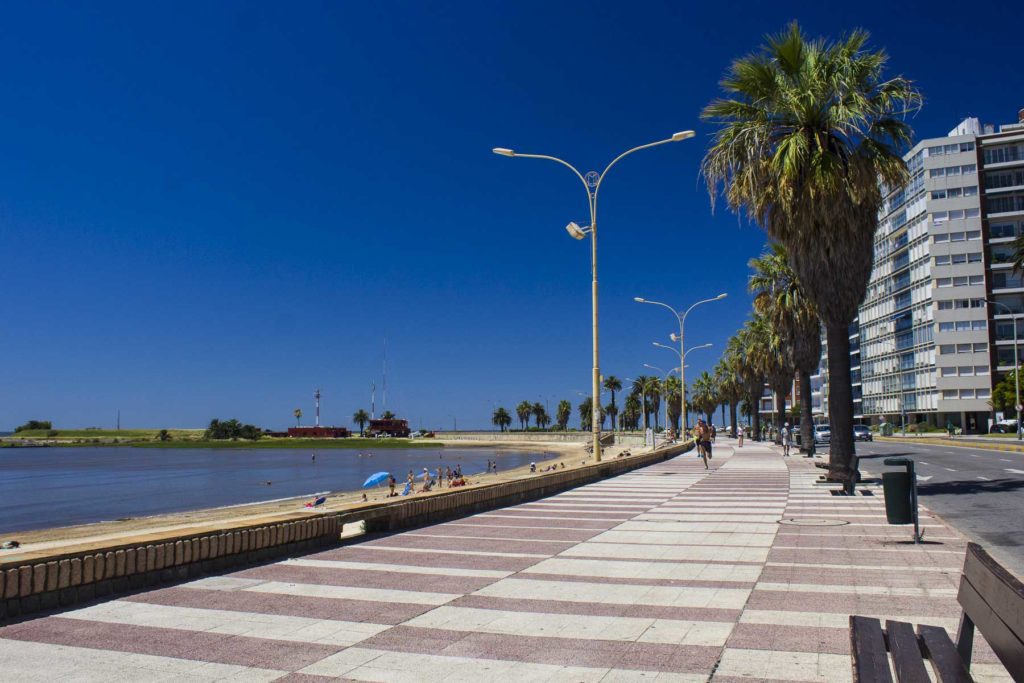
[813,522]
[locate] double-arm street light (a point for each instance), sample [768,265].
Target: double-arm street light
[682,374]
[592,184]
[681,318]
[1016,364]
[664,379]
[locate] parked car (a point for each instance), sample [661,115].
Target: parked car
[862,433]
[1005,427]
[822,433]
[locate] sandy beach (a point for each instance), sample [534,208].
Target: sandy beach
[571,454]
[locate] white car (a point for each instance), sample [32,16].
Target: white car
[822,433]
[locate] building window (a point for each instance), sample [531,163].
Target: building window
[999,230]
[949,393]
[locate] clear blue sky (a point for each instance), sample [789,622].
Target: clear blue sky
[210,209]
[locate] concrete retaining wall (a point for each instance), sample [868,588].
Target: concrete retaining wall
[43,583]
[34,581]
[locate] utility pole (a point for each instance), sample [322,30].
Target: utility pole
[118,419]
[373,401]
[316,395]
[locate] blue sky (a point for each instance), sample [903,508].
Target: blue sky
[210,209]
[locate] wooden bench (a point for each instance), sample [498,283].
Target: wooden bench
[992,600]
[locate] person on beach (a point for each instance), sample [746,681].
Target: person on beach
[440,477]
[391,486]
[785,435]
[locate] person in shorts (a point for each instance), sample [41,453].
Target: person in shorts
[786,436]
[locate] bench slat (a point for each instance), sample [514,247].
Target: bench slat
[908,660]
[1004,642]
[870,661]
[946,662]
[1001,589]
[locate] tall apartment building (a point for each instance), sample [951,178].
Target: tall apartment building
[931,343]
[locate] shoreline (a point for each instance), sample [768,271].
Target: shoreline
[572,454]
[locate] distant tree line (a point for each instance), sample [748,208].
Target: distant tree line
[34,424]
[231,429]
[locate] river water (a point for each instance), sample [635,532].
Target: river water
[50,487]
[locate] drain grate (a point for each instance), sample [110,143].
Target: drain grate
[813,522]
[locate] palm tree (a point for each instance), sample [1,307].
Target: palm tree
[654,397]
[387,415]
[670,389]
[360,417]
[630,417]
[779,296]
[298,417]
[523,411]
[501,419]
[586,411]
[612,384]
[562,414]
[540,414]
[705,397]
[749,372]
[639,389]
[729,388]
[809,133]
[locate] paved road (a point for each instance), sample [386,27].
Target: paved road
[980,492]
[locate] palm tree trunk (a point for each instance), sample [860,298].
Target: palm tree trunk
[840,406]
[756,418]
[733,405]
[806,426]
[780,411]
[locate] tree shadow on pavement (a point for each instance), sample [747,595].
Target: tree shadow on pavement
[872,456]
[966,488]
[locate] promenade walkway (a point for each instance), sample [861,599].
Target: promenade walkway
[668,573]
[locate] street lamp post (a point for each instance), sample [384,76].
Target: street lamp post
[1016,364]
[682,328]
[592,185]
[682,364]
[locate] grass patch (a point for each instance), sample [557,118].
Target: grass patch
[105,434]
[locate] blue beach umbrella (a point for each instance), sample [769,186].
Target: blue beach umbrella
[376,479]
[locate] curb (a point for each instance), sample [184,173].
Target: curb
[1012,448]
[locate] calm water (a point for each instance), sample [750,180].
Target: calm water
[48,487]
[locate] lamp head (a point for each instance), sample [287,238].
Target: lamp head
[503,151]
[674,337]
[575,231]
[683,135]
[721,296]
[639,299]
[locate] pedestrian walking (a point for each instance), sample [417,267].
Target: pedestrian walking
[785,436]
[703,436]
[714,432]
[739,433]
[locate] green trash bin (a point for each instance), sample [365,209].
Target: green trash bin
[899,508]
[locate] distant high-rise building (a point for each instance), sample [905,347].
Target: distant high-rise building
[930,343]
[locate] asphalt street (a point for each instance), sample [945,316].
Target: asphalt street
[980,492]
